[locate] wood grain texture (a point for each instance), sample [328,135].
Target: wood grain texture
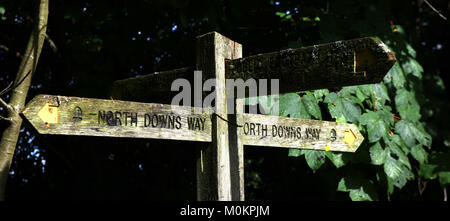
[297,133]
[236,153]
[213,171]
[154,87]
[337,64]
[150,119]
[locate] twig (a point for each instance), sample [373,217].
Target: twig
[51,43]
[7,88]
[388,196]
[5,118]
[435,10]
[421,186]
[445,193]
[6,105]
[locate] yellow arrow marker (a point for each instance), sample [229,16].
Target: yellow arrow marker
[49,114]
[349,137]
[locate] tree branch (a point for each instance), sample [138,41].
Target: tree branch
[435,10]
[51,43]
[6,106]
[5,118]
[22,84]
[7,88]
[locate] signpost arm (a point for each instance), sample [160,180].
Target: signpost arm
[213,166]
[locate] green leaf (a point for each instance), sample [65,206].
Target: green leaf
[315,159]
[295,152]
[336,158]
[409,132]
[318,94]
[311,105]
[2,10]
[381,91]
[348,90]
[269,104]
[376,126]
[437,167]
[419,154]
[444,178]
[398,152]
[351,110]
[398,77]
[396,171]
[360,95]
[359,189]
[411,50]
[359,195]
[341,119]
[330,97]
[366,89]
[291,105]
[392,167]
[377,154]
[413,67]
[399,142]
[280,14]
[407,105]
[399,29]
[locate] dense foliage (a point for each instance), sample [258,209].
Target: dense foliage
[403,119]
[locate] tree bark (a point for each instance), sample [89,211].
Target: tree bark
[21,85]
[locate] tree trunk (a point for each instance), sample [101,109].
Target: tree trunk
[21,85]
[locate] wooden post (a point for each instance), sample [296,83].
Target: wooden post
[213,166]
[237,152]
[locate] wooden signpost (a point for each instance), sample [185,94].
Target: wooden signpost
[220,163]
[112,118]
[274,131]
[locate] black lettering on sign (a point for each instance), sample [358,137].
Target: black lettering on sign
[178,121]
[146,120]
[195,123]
[110,120]
[162,121]
[134,119]
[117,116]
[299,134]
[191,122]
[274,130]
[252,129]
[171,122]
[312,134]
[101,116]
[246,128]
[264,130]
[154,120]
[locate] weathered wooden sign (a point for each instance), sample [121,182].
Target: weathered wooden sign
[274,131]
[220,165]
[51,114]
[336,64]
[62,115]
